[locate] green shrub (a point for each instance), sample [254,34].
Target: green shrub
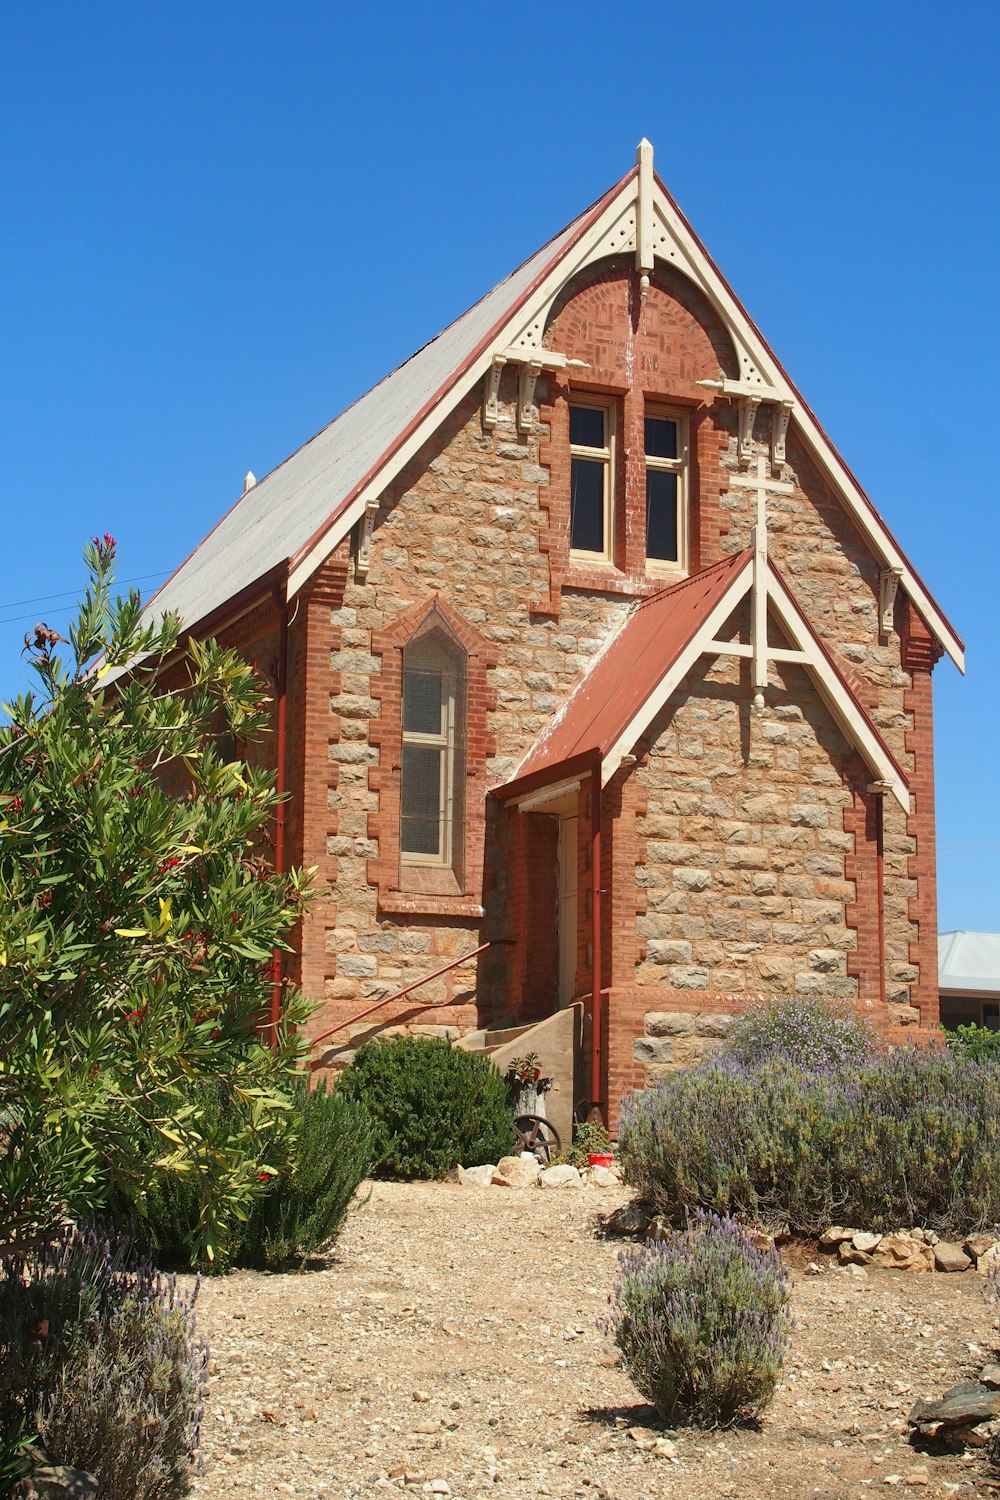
[138,917]
[702,1323]
[434,1106]
[99,1362]
[304,1172]
[912,1138]
[305,1204]
[810,1033]
[979,1042]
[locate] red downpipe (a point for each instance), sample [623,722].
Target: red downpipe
[880,881]
[281,695]
[597,1008]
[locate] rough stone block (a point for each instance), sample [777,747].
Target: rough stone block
[653,1049]
[693,978]
[661,1023]
[715,1025]
[675,951]
[808,815]
[357,966]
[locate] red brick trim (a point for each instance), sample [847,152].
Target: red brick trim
[861,867]
[313,725]
[919,652]
[387,734]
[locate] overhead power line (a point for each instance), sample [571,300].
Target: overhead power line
[75,593]
[59,609]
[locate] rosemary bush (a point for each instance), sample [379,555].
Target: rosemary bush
[100,1362]
[298,1197]
[304,1206]
[702,1323]
[434,1106]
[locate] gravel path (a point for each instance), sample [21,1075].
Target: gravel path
[449,1348]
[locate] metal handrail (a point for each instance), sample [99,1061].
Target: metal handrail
[379,1004]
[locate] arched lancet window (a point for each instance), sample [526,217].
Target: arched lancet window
[432,792]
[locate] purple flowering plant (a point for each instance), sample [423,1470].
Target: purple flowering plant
[908,1137]
[100,1361]
[702,1323]
[807,1032]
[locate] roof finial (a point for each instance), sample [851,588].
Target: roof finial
[644,215]
[249,480]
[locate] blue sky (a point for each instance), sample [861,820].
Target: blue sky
[223,222]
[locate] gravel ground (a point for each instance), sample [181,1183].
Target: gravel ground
[449,1347]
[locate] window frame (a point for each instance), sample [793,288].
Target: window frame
[607,457]
[444,742]
[663,566]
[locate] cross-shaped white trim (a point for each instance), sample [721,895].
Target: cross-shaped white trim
[764,485]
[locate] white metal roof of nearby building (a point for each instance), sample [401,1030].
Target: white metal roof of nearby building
[969,962]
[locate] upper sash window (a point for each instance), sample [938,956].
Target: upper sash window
[591,441]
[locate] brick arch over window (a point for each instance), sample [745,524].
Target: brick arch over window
[451,886]
[642,357]
[671,332]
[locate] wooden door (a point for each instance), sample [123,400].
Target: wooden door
[568,868]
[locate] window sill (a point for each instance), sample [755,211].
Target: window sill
[606,579]
[419,903]
[665,573]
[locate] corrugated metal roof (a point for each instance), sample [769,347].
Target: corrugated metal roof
[626,674]
[280,514]
[969,962]
[628,670]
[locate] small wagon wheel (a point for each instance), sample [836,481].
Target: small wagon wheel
[534,1133]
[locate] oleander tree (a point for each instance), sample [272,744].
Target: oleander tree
[138,917]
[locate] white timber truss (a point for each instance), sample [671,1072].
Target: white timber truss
[637,217]
[769,598]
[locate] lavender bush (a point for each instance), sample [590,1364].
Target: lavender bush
[908,1138]
[810,1033]
[702,1322]
[99,1360]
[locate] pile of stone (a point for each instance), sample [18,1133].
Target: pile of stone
[911,1250]
[954,1420]
[526,1171]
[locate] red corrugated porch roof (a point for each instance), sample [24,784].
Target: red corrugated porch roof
[625,674]
[625,686]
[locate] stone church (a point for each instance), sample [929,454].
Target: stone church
[599,681]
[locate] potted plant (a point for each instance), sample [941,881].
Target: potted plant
[593,1141]
[528,1085]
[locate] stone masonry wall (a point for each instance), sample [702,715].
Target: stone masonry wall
[481,518]
[745,842]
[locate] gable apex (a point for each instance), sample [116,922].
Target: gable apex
[296,516]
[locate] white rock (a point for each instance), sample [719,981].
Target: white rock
[989,1261]
[476,1176]
[563,1176]
[602,1177]
[513,1172]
